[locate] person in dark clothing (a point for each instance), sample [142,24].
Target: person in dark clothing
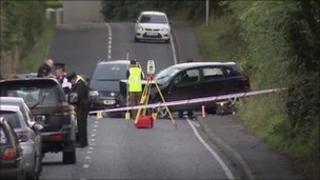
[79,86]
[46,68]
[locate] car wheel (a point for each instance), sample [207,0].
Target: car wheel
[69,156]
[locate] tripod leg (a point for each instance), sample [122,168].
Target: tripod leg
[168,110]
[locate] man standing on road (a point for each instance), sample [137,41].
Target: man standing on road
[46,68]
[79,86]
[134,84]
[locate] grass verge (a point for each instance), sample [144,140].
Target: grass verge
[264,116]
[34,58]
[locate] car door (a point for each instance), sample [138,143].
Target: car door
[185,85]
[212,81]
[232,81]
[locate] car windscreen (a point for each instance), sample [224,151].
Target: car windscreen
[164,75]
[110,72]
[157,19]
[12,118]
[46,95]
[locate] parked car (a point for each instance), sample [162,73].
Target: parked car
[11,158]
[197,80]
[29,135]
[48,104]
[105,84]
[152,25]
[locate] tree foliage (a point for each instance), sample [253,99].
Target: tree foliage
[121,10]
[21,24]
[282,42]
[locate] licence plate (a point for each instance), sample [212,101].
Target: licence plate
[109,102]
[152,34]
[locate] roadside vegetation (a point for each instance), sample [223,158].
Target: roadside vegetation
[277,44]
[25,33]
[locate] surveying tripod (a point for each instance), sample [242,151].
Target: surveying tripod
[146,97]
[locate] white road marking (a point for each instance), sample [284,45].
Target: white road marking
[91,148]
[227,171]
[173,50]
[87,157]
[85,166]
[92,139]
[93,135]
[89,152]
[109,41]
[94,130]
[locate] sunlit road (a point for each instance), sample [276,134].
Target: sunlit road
[117,150]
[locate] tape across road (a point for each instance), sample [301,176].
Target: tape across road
[192,101]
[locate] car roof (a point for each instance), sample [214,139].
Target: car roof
[11,99]
[199,64]
[9,108]
[31,80]
[115,62]
[153,13]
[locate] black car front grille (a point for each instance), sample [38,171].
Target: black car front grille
[148,36]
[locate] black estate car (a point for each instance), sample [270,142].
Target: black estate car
[200,79]
[47,102]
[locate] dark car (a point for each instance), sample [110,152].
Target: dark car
[11,158]
[28,134]
[105,84]
[199,79]
[47,102]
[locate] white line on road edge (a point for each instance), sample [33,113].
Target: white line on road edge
[110,41]
[173,50]
[213,153]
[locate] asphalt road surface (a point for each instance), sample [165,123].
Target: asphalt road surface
[117,150]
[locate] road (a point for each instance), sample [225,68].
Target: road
[117,150]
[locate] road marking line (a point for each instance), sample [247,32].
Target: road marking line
[89,152]
[173,50]
[91,148]
[94,130]
[87,157]
[85,166]
[93,135]
[227,171]
[92,139]
[109,41]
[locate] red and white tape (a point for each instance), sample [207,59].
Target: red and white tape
[192,101]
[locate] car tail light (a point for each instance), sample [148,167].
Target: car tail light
[56,137]
[9,154]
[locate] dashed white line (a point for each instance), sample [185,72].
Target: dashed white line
[93,135]
[89,152]
[227,171]
[85,166]
[87,157]
[92,139]
[109,40]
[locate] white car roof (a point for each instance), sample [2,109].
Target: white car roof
[12,98]
[153,13]
[9,108]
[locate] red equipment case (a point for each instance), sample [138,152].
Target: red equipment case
[145,122]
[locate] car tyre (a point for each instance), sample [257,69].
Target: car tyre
[69,156]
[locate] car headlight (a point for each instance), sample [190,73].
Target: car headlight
[93,93]
[140,28]
[165,30]
[112,94]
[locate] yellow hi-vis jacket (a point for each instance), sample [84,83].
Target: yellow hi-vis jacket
[135,83]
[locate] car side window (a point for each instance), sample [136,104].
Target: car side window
[3,137]
[210,73]
[188,76]
[229,72]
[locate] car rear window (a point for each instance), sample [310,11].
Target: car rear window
[153,19]
[110,72]
[48,95]
[12,118]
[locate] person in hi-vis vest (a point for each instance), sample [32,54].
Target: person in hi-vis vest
[135,77]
